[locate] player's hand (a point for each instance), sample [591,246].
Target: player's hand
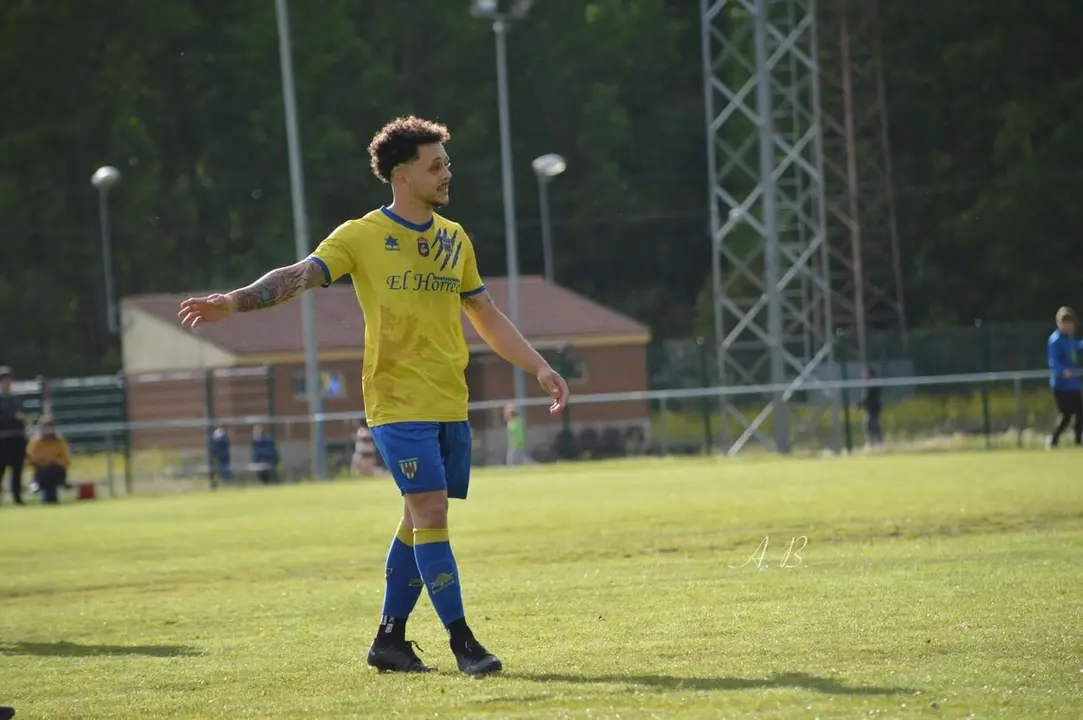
[1068,373]
[554,384]
[211,308]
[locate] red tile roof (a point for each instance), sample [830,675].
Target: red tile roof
[548,312]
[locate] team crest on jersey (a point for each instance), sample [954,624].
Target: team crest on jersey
[422,247]
[408,467]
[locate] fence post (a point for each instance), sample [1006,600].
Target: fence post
[208,391]
[122,380]
[843,375]
[563,367]
[985,361]
[664,425]
[110,448]
[269,371]
[1020,419]
[704,405]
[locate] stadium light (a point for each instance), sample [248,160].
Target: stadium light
[547,167]
[103,179]
[502,14]
[313,386]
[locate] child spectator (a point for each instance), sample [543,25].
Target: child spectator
[50,457]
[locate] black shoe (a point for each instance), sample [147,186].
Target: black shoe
[6,713]
[475,660]
[388,656]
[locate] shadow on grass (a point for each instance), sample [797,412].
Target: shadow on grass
[827,686]
[66,649]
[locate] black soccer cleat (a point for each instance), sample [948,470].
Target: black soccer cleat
[475,660]
[389,656]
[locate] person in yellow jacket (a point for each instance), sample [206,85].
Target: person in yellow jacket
[50,457]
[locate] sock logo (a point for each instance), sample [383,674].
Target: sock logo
[387,573]
[442,582]
[408,467]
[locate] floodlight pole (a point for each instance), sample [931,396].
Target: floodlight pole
[300,232]
[500,30]
[547,167]
[103,180]
[490,10]
[546,231]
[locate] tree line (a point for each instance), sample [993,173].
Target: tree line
[184,97]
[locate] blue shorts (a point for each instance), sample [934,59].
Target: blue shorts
[427,456]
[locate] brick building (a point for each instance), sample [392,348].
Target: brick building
[171,368]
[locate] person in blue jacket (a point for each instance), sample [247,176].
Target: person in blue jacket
[220,455]
[1063,353]
[264,455]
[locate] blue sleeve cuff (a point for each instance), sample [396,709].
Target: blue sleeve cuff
[326,270]
[472,293]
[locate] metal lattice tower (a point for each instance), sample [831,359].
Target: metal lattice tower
[862,232]
[772,296]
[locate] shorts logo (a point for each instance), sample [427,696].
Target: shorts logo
[422,247]
[408,467]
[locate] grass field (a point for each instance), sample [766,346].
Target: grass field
[946,585]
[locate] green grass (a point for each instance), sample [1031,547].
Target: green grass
[930,586]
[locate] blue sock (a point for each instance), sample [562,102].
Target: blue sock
[437,565]
[402,587]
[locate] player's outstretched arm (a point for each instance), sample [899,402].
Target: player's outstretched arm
[276,287]
[504,338]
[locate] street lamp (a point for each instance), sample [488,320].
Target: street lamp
[546,168]
[313,386]
[103,179]
[502,14]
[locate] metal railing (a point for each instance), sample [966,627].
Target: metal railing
[971,410]
[662,396]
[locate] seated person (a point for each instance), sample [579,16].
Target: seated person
[220,455]
[50,457]
[264,455]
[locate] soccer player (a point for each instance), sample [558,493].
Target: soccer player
[412,271]
[1062,350]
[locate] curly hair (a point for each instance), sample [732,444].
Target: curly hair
[398,141]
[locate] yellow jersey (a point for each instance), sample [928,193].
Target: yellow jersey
[410,280]
[48,450]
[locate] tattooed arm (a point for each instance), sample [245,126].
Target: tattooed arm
[278,286]
[274,288]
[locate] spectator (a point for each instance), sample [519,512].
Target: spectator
[363,461]
[264,455]
[1062,351]
[516,454]
[220,454]
[12,436]
[50,457]
[872,404]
